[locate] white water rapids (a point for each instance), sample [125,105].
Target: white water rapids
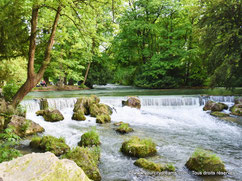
[177,124]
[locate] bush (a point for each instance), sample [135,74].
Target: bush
[8,139]
[9,90]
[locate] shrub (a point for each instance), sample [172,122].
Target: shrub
[9,90]
[8,139]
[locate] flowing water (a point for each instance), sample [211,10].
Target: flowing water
[177,124]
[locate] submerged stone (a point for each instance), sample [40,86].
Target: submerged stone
[139,148]
[124,128]
[50,143]
[85,159]
[205,161]
[133,102]
[41,166]
[102,119]
[148,165]
[24,127]
[219,114]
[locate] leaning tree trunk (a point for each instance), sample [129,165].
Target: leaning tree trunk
[33,78]
[85,78]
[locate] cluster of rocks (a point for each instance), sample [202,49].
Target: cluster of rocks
[92,106]
[50,115]
[216,109]
[16,120]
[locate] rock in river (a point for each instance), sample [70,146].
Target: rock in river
[41,167]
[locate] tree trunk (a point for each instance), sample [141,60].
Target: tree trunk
[85,78]
[33,78]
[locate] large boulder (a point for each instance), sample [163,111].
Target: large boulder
[205,161]
[55,145]
[148,165]
[99,109]
[213,106]
[124,128]
[132,102]
[236,110]
[42,167]
[85,159]
[139,148]
[51,115]
[24,127]
[89,139]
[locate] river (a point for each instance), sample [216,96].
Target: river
[176,123]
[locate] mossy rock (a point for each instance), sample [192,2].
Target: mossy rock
[148,165]
[124,128]
[44,104]
[51,115]
[219,114]
[139,148]
[213,106]
[99,109]
[236,110]
[78,116]
[205,161]
[50,143]
[89,139]
[84,103]
[133,102]
[102,119]
[84,159]
[24,127]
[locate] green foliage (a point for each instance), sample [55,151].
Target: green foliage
[222,39]
[124,128]
[9,90]
[8,139]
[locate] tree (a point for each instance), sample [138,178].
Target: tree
[222,40]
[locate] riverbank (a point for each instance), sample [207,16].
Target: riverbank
[57,88]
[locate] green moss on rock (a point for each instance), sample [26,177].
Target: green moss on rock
[139,148]
[236,110]
[99,109]
[124,128]
[148,165]
[50,143]
[219,114]
[89,139]
[79,116]
[133,102]
[84,159]
[205,161]
[51,115]
[102,119]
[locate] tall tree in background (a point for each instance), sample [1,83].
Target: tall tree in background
[222,41]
